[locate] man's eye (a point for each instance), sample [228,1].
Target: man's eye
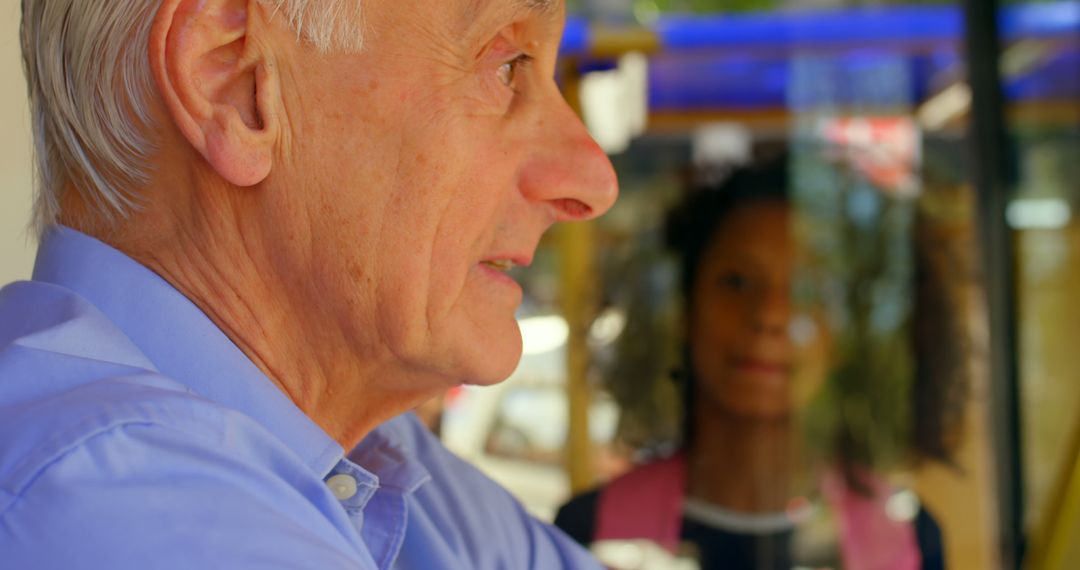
[507,72]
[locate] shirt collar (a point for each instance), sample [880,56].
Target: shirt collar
[385,453]
[178,338]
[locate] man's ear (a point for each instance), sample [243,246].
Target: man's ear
[221,94]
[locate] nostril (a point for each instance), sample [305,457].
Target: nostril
[572,208]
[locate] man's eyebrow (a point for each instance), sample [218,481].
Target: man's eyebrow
[537,5]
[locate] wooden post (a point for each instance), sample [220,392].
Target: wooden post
[578,293]
[578,301]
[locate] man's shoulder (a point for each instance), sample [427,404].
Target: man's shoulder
[67,374]
[38,432]
[107,462]
[42,323]
[69,379]
[136,471]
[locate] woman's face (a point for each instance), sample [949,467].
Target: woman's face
[740,316]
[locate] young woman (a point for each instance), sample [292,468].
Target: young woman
[741,493]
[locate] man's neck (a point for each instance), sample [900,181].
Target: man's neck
[230,276]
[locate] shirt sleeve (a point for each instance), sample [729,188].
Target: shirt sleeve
[147,496]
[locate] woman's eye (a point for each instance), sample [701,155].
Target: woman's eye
[507,72]
[734,282]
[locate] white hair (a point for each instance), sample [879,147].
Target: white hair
[89,92]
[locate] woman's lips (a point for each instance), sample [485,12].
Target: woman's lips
[760,366]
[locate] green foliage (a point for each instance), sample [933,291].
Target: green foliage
[860,243]
[640,377]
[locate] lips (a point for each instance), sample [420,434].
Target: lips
[502,265]
[503,261]
[498,269]
[760,366]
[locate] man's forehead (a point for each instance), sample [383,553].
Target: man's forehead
[532,5]
[538,5]
[481,9]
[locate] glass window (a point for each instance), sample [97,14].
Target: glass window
[1042,87]
[779,336]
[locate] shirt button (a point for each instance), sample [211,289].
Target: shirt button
[342,486]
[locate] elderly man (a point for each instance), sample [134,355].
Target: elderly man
[270,228]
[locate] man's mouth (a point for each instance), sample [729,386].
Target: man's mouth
[502,265]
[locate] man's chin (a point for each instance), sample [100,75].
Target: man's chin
[483,356]
[491,375]
[491,365]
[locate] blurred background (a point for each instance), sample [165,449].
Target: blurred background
[16,246]
[933,159]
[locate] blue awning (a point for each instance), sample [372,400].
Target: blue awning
[882,26]
[745,61]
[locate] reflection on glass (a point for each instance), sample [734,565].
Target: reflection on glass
[759,480]
[1043,86]
[873,105]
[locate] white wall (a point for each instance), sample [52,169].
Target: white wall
[16,243]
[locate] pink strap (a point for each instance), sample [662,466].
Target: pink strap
[869,538]
[645,503]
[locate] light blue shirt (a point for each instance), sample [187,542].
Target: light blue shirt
[135,435]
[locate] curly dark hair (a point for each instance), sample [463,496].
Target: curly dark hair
[939,386]
[693,224]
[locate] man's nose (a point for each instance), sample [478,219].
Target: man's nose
[567,170]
